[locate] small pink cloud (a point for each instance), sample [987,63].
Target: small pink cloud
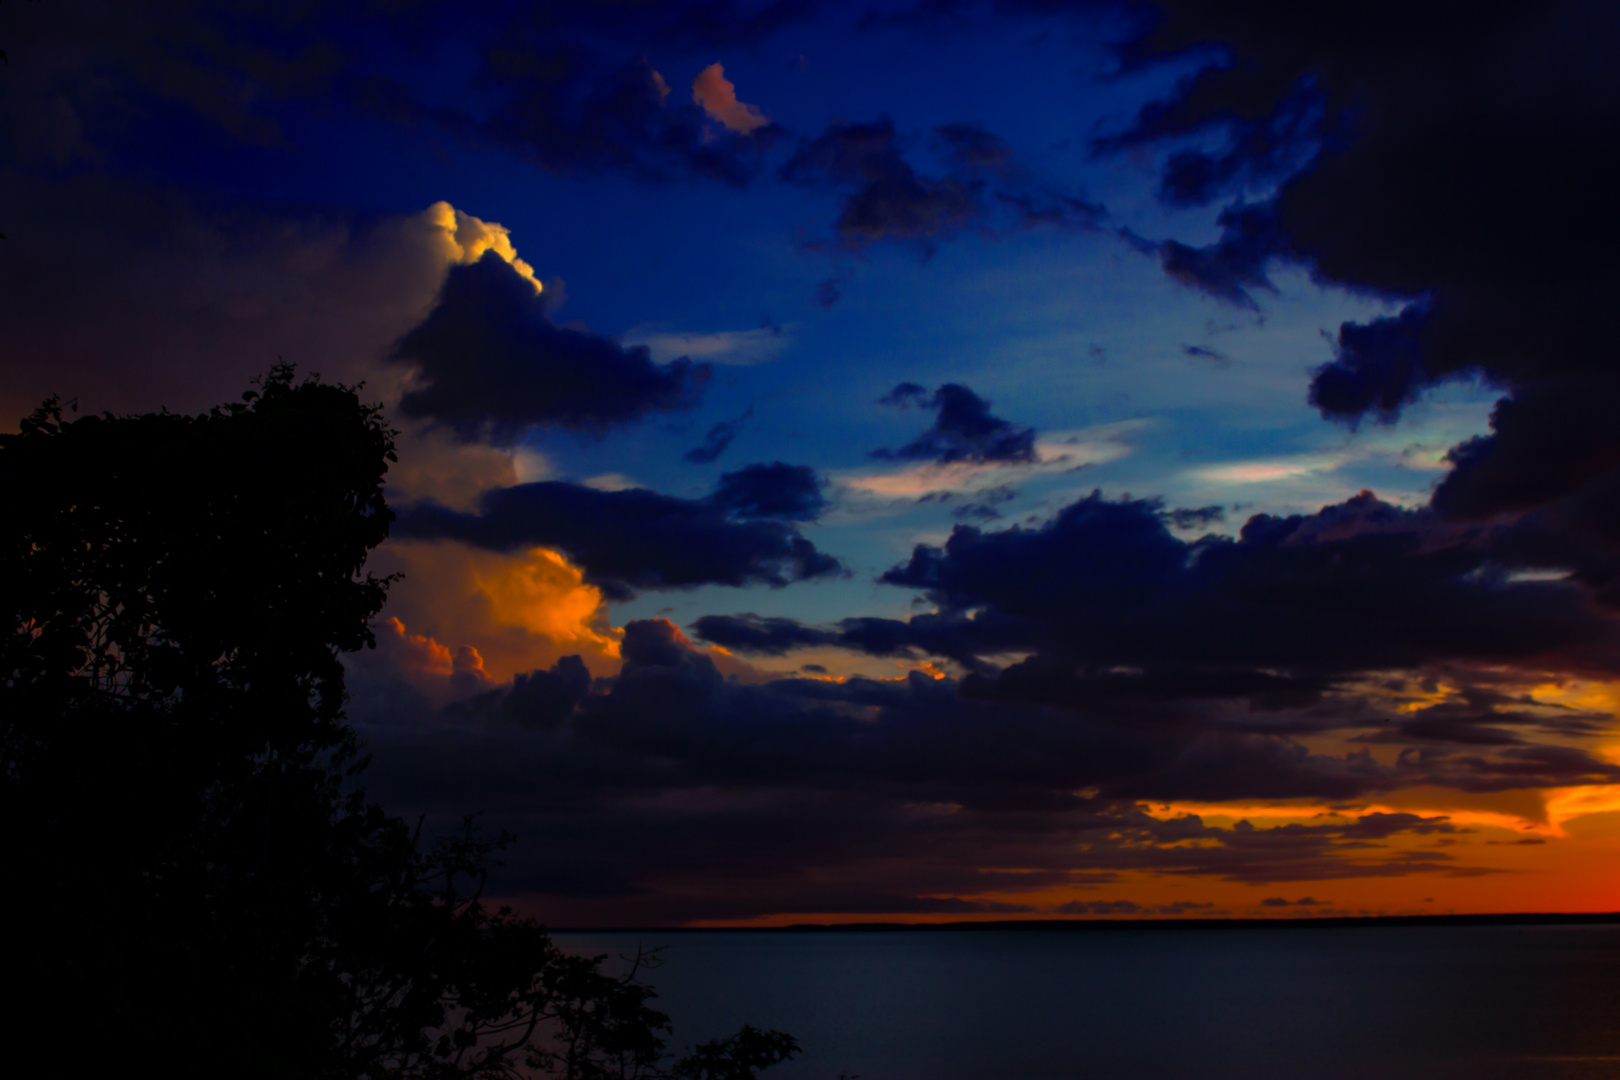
[712,90]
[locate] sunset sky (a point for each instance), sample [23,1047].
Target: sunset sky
[923,461]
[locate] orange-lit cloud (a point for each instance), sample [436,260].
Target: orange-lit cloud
[718,96]
[519,611]
[432,667]
[463,239]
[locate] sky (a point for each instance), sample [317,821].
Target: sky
[902,460]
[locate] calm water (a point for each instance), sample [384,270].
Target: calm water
[1247,1004]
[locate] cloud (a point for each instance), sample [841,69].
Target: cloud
[1378,368]
[1406,159]
[1234,267]
[783,492]
[718,97]
[1268,470]
[1357,587]
[1131,907]
[432,667]
[520,610]
[1057,451]
[489,363]
[887,199]
[561,86]
[671,791]
[195,295]
[964,430]
[718,440]
[750,633]
[1214,356]
[469,238]
[633,540]
[1198,518]
[739,348]
[621,122]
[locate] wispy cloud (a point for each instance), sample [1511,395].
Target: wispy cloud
[738,348]
[1269,469]
[1055,452]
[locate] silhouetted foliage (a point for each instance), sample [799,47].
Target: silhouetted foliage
[193,878]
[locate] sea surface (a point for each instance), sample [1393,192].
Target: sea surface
[1364,1002]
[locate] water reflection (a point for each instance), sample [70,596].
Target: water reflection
[1539,1003]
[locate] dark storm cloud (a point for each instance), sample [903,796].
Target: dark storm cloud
[544,699]
[629,541]
[1117,614]
[1377,367]
[964,430]
[785,492]
[760,636]
[1513,768]
[1120,614]
[1356,587]
[1459,157]
[491,363]
[670,780]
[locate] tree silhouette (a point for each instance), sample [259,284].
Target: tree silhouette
[193,878]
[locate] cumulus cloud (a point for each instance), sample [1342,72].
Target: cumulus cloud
[195,295]
[1103,607]
[432,667]
[1359,586]
[489,363]
[519,609]
[784,492]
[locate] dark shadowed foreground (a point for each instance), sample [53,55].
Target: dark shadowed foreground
[192,877]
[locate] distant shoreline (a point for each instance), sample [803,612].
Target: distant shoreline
[1032,925]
